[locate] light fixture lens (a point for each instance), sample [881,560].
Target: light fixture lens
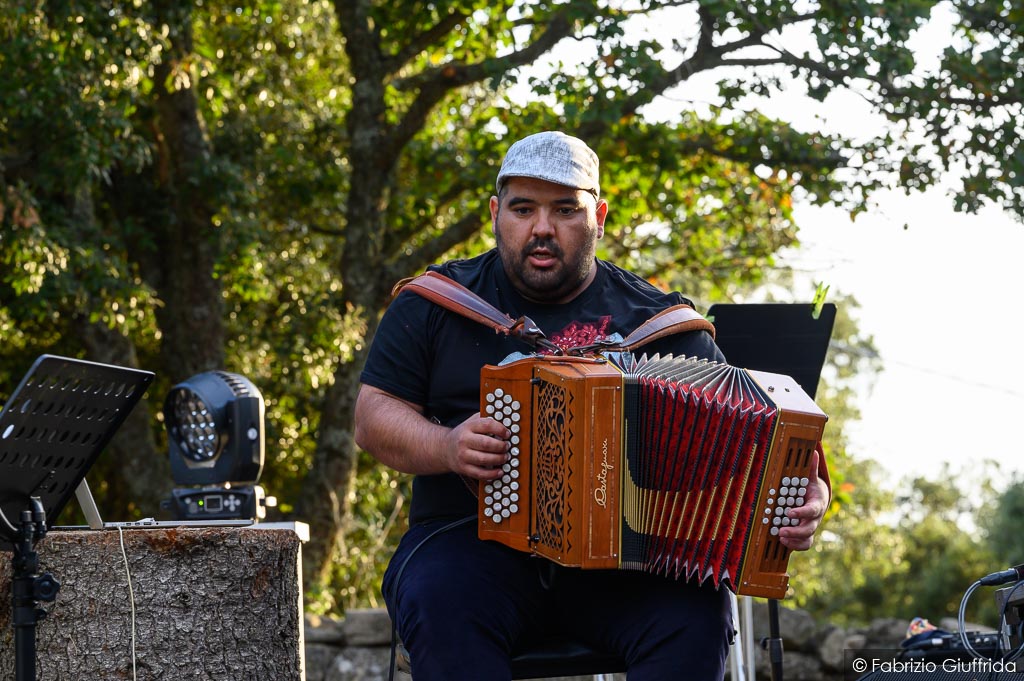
[193,426]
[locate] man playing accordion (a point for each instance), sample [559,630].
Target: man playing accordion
[461,604]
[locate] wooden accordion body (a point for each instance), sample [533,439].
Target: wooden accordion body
[668,465]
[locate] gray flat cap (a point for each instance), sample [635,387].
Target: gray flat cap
[555,157]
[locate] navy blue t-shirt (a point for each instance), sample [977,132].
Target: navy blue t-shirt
[432,357]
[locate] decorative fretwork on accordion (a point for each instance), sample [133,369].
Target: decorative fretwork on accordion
[670,465]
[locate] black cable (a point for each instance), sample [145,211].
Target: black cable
[1010,657]
[31,503]
[398,577]
[7,523]
[963,634]
[961,621]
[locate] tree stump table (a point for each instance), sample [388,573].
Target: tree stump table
[203,603]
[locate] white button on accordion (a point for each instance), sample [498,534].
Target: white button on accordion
[669,465]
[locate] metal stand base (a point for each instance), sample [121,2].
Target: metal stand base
[773,642]
[28,589]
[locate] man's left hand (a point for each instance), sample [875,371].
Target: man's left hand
[800,537]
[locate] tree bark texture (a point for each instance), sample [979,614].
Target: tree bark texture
[192,318]
[209,603]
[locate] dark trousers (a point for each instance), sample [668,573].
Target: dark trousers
[462,604]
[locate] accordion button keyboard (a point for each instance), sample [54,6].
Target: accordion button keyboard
[502,494]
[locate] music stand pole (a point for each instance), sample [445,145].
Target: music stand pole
[773,644]
[52,428]
[28,588]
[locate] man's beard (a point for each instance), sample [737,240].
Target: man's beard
[551,283]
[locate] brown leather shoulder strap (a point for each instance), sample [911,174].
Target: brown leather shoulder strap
[672,320]
[456,298]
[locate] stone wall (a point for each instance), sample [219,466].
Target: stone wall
[357,648]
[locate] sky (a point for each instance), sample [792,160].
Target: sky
[937,290]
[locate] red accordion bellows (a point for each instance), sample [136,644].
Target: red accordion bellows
[669,465]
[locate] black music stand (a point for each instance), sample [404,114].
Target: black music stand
[52,429]
[783,338]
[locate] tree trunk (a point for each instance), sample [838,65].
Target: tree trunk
[192,318]
[326,492]
[136,475]
[204,603]
[325,502]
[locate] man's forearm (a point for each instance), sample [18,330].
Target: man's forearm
[398,435]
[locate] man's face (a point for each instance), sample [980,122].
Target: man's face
[547,236]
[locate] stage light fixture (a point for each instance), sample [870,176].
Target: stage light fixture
[214,424]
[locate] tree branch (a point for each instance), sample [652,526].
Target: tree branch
[432,250]
[421,42]
[396,239]
[434,84]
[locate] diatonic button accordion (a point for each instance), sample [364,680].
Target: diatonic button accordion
[669,465]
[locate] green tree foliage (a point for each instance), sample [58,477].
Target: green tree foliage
[944,550]
[190,186]
[1004,526]
[850,542]
[904,550]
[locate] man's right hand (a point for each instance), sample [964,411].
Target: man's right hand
[478,448]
